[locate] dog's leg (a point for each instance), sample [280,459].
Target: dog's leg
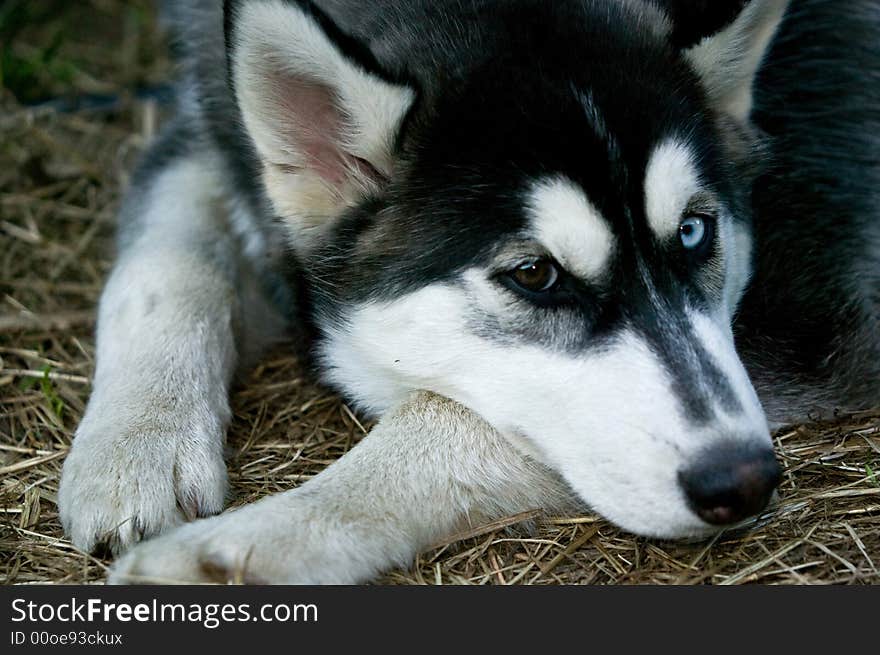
[428,470]
[148,453]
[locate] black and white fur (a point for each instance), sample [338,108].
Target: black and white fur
[370,173]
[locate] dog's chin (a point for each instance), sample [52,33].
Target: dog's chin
[678,523]
[674,522]
[690,531]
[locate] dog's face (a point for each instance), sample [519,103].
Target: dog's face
[558,241]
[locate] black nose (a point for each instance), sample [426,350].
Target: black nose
[731,482]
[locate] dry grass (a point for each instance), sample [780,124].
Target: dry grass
[60,178]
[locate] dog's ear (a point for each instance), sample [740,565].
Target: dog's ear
[322,115]
[725,41]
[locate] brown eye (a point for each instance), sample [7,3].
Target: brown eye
[536,276]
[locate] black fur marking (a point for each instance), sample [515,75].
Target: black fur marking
[472,150]
[697,381]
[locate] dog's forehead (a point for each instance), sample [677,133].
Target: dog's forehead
[567,163]
[584,235]
[637,150]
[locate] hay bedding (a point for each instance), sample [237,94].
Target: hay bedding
[60,179]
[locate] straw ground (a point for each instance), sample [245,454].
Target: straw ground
[62,170]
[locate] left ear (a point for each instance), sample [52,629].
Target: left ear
[322,115]
[729,59]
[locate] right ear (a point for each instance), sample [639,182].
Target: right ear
[725,42]
[323,117]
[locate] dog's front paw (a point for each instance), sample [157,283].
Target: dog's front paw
[292,538]
[125,482]
[204,552]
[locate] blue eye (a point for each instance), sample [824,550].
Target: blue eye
[695,232]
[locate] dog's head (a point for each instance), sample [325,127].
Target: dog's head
[543,215]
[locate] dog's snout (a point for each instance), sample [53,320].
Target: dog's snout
[731,482]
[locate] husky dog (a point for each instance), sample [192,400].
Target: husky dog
[583,251]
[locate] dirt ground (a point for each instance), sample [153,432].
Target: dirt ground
[82,90]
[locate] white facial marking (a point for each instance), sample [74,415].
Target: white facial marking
[565,221]
[671,181]
[609,420]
